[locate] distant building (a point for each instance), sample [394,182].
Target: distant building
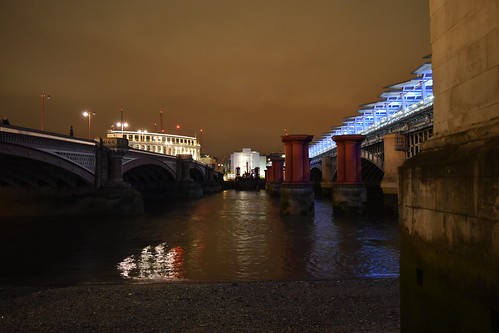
[162,143]
[245,163]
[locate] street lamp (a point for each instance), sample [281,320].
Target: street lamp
[123,125]
[89,115]
[178,129]
[43,108]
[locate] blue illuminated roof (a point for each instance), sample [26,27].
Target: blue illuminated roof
[397,101]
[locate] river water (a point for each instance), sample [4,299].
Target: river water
[229,236]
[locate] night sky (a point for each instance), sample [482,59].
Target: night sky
[243,71]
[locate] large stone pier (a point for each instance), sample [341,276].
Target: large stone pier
[449,193]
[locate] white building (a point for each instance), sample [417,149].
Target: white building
[162,143]
[247,161]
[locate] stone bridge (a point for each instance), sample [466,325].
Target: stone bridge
[37,166]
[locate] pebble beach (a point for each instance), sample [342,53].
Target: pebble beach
[350,305]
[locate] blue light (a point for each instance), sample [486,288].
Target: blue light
[398,101]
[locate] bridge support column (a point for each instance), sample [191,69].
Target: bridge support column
[327,177]
[211,185]
[349,192]
[114,196]
[275,174]
[394,151]
[449,192]
[297,194]
[186,187]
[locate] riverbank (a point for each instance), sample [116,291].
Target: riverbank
[360,305]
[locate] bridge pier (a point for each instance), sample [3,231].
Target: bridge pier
[186,187]
[349,192]
[275,174]
[449,193]
[327,177]
[296,192]
[113,196]
[211,185]
[394,153]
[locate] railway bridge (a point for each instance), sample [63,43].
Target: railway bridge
[388,132]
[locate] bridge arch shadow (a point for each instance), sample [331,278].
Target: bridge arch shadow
[33,176]
[372,175]
[152,178]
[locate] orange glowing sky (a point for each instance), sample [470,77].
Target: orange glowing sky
[243,71]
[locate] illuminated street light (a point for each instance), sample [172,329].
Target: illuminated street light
[122,125]
[178,129]
[43,108]
[89,115]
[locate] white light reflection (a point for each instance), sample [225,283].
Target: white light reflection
[154,263]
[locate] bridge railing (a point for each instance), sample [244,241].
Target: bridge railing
[31,136]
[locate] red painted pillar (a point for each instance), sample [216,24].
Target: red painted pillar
[297,195]
[349,192]
[297,164]
[340,166]
[277,168]
[348,169]
[275,173]
[288,149]
[269,175]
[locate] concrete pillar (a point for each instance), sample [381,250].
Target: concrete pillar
[186,187]
[394,151]
[297,195]
[114,196]
[211,183]
[116,148]
[448,193]
[349,192]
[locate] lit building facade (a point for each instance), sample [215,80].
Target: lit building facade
[247,161]
[161,143]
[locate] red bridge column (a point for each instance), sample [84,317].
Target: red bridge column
[349,192]
[297,195]
[275,173]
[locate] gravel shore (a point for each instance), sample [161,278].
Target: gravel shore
[360,305]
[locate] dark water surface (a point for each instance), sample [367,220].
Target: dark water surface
[230,236]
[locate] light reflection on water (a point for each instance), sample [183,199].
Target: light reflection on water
[230,236]
[241,236]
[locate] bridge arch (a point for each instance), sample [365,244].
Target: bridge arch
[31,167]
[197,175]
[149,176]
[147,161]
[372,174]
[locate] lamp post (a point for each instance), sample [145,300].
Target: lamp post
[89,115]
[43,109]
[178,129]
[123,125]
[161,121]
[201,138]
